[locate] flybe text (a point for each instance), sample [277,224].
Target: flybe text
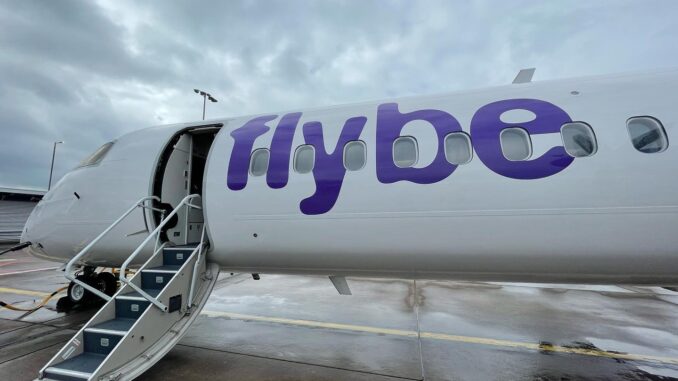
[329,171]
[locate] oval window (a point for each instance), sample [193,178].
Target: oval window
[458,148]
[405,152]
[355,153]
[259,161]
[578,139]
[515,144]
[304,158]
[647,134]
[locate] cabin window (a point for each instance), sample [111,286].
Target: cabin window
[578,139]
[405,151]
[355,153]
[647,134]
[97,156]
[304,158]
[458,148]
[515,144]
[259,162]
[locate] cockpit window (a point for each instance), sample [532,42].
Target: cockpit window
[97,156]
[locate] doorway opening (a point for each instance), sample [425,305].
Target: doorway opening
[181,172]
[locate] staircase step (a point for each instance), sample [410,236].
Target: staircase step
[117,325]
[130,308]
[155,280]
[191,246]
[137,296]
[100,342]
[177,255]
[58,374]
[77,368]
[165,268]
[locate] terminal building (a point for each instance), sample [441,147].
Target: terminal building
[16,205]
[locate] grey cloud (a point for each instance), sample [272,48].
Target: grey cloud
[87,72]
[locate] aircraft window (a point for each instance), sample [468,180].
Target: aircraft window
[355,153]
[458,148]
[405,151]
[515,144]
[578,139]
[304,158]
[97,156]
[259,162]
[647,134]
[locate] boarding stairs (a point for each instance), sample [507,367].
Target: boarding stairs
[146,317]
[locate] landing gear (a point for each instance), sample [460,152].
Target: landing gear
[78,296]
[76,293]
[107,283]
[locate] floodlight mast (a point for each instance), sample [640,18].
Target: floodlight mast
[205,96]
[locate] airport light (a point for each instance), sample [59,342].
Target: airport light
[51,169]
[205,97]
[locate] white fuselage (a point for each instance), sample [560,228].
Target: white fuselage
[607,218]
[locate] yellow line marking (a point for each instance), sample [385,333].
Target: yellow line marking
[442,336]
[309,323]
[7,290]
[406,333]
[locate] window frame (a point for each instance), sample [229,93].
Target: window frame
[296,155]
[251,166]
[100,156]
[343,154]
[529,140]
[416,150]
[593,135]
[468,141]
[662,130]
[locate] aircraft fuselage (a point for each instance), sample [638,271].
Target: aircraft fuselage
[378,189]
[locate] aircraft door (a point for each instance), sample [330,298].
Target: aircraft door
[176,184]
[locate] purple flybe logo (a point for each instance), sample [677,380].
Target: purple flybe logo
[329,171]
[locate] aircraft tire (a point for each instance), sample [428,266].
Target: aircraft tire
[76,293]
[107,283]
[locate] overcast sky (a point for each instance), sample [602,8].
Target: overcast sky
[88,71]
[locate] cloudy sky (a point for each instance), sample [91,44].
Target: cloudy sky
[88,71]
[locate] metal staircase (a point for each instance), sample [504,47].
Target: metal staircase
[144,319]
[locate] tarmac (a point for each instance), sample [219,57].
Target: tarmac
[299,328]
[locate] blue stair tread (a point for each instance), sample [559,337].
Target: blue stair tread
[187,246]
[165,267]
[86,362]
[117,324]
[150,291]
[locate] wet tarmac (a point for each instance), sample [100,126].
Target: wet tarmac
[299,328]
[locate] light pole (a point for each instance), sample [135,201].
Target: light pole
[51,169]
[205,97]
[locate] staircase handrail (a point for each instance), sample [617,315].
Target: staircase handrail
[195,267]
[69,274]
[123,268]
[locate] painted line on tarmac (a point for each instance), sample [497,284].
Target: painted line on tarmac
[406,333]
[446,337]
[29,271]
[16,291]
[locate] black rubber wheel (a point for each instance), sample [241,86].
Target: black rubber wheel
[76,293]
[64,304]
[107,283]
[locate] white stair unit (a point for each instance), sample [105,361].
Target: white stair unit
[146,317]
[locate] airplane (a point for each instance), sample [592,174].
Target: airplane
[562,181]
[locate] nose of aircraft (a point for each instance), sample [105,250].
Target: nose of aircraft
[39,227]
[29,227]
[33,231]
